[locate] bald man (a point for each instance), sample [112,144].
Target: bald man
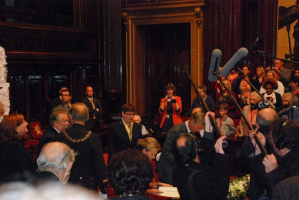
[57,159]
[245,156]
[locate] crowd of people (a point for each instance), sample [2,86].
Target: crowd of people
[191,158]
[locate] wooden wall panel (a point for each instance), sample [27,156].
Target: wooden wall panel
[232,24]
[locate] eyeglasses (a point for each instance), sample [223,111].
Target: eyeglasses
[65,95]
[130,114]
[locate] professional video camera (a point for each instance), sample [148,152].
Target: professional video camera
[291,112]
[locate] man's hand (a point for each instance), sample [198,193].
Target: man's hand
[218,145]
[270,163]
[262,139]
[153,191]
[164,185]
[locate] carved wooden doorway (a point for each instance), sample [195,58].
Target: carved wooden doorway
[159,43]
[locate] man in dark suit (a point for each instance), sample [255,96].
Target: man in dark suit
[57,101]
[198,125]
[58,121]
[89,170]
[65,105]
[95,110]
[124,133]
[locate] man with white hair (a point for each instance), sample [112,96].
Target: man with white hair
[57,159]
[137,119]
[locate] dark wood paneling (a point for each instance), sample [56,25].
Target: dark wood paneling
[167,50]
[232,24]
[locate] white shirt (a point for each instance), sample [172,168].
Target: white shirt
[279,90]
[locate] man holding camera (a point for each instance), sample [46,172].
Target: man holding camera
[283,74]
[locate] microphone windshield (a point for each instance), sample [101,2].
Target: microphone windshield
[241,53]
[214,65]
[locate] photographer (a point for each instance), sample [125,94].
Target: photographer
[270,85]
[170,109]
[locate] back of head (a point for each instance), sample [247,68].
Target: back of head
[55,157]
[45,191]
[185,148]
[79,112]
[266,116]
[285,133]
[8,126]
[130,172]
[148,143]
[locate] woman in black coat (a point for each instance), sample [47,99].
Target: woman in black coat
[14,157]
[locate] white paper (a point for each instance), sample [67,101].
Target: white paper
[170,192]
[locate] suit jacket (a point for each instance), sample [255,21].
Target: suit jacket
[118,138]
[175,115]
[48,136]
[94,112]
[55,102]
[89,169]
[167,160]
[209,183]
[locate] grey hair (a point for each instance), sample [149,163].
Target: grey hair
[45,191]
[56,116]
[288,95]
[263,122]
[58,164]
[79,112]
[198,118]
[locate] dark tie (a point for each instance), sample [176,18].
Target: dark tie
[68,108]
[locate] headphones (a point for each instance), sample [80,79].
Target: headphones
[196,144]
[280,143]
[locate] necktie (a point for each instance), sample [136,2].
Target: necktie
[68,108]
[129,130]
[93,106]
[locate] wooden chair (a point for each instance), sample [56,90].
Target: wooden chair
[32,138]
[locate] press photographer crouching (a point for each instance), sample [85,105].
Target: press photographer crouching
[195,180]
[280,164]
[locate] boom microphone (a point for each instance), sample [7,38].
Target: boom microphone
[214,65]
[253,48]
[241,53]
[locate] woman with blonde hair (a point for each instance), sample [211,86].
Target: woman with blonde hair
[149,146]
[259,77]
